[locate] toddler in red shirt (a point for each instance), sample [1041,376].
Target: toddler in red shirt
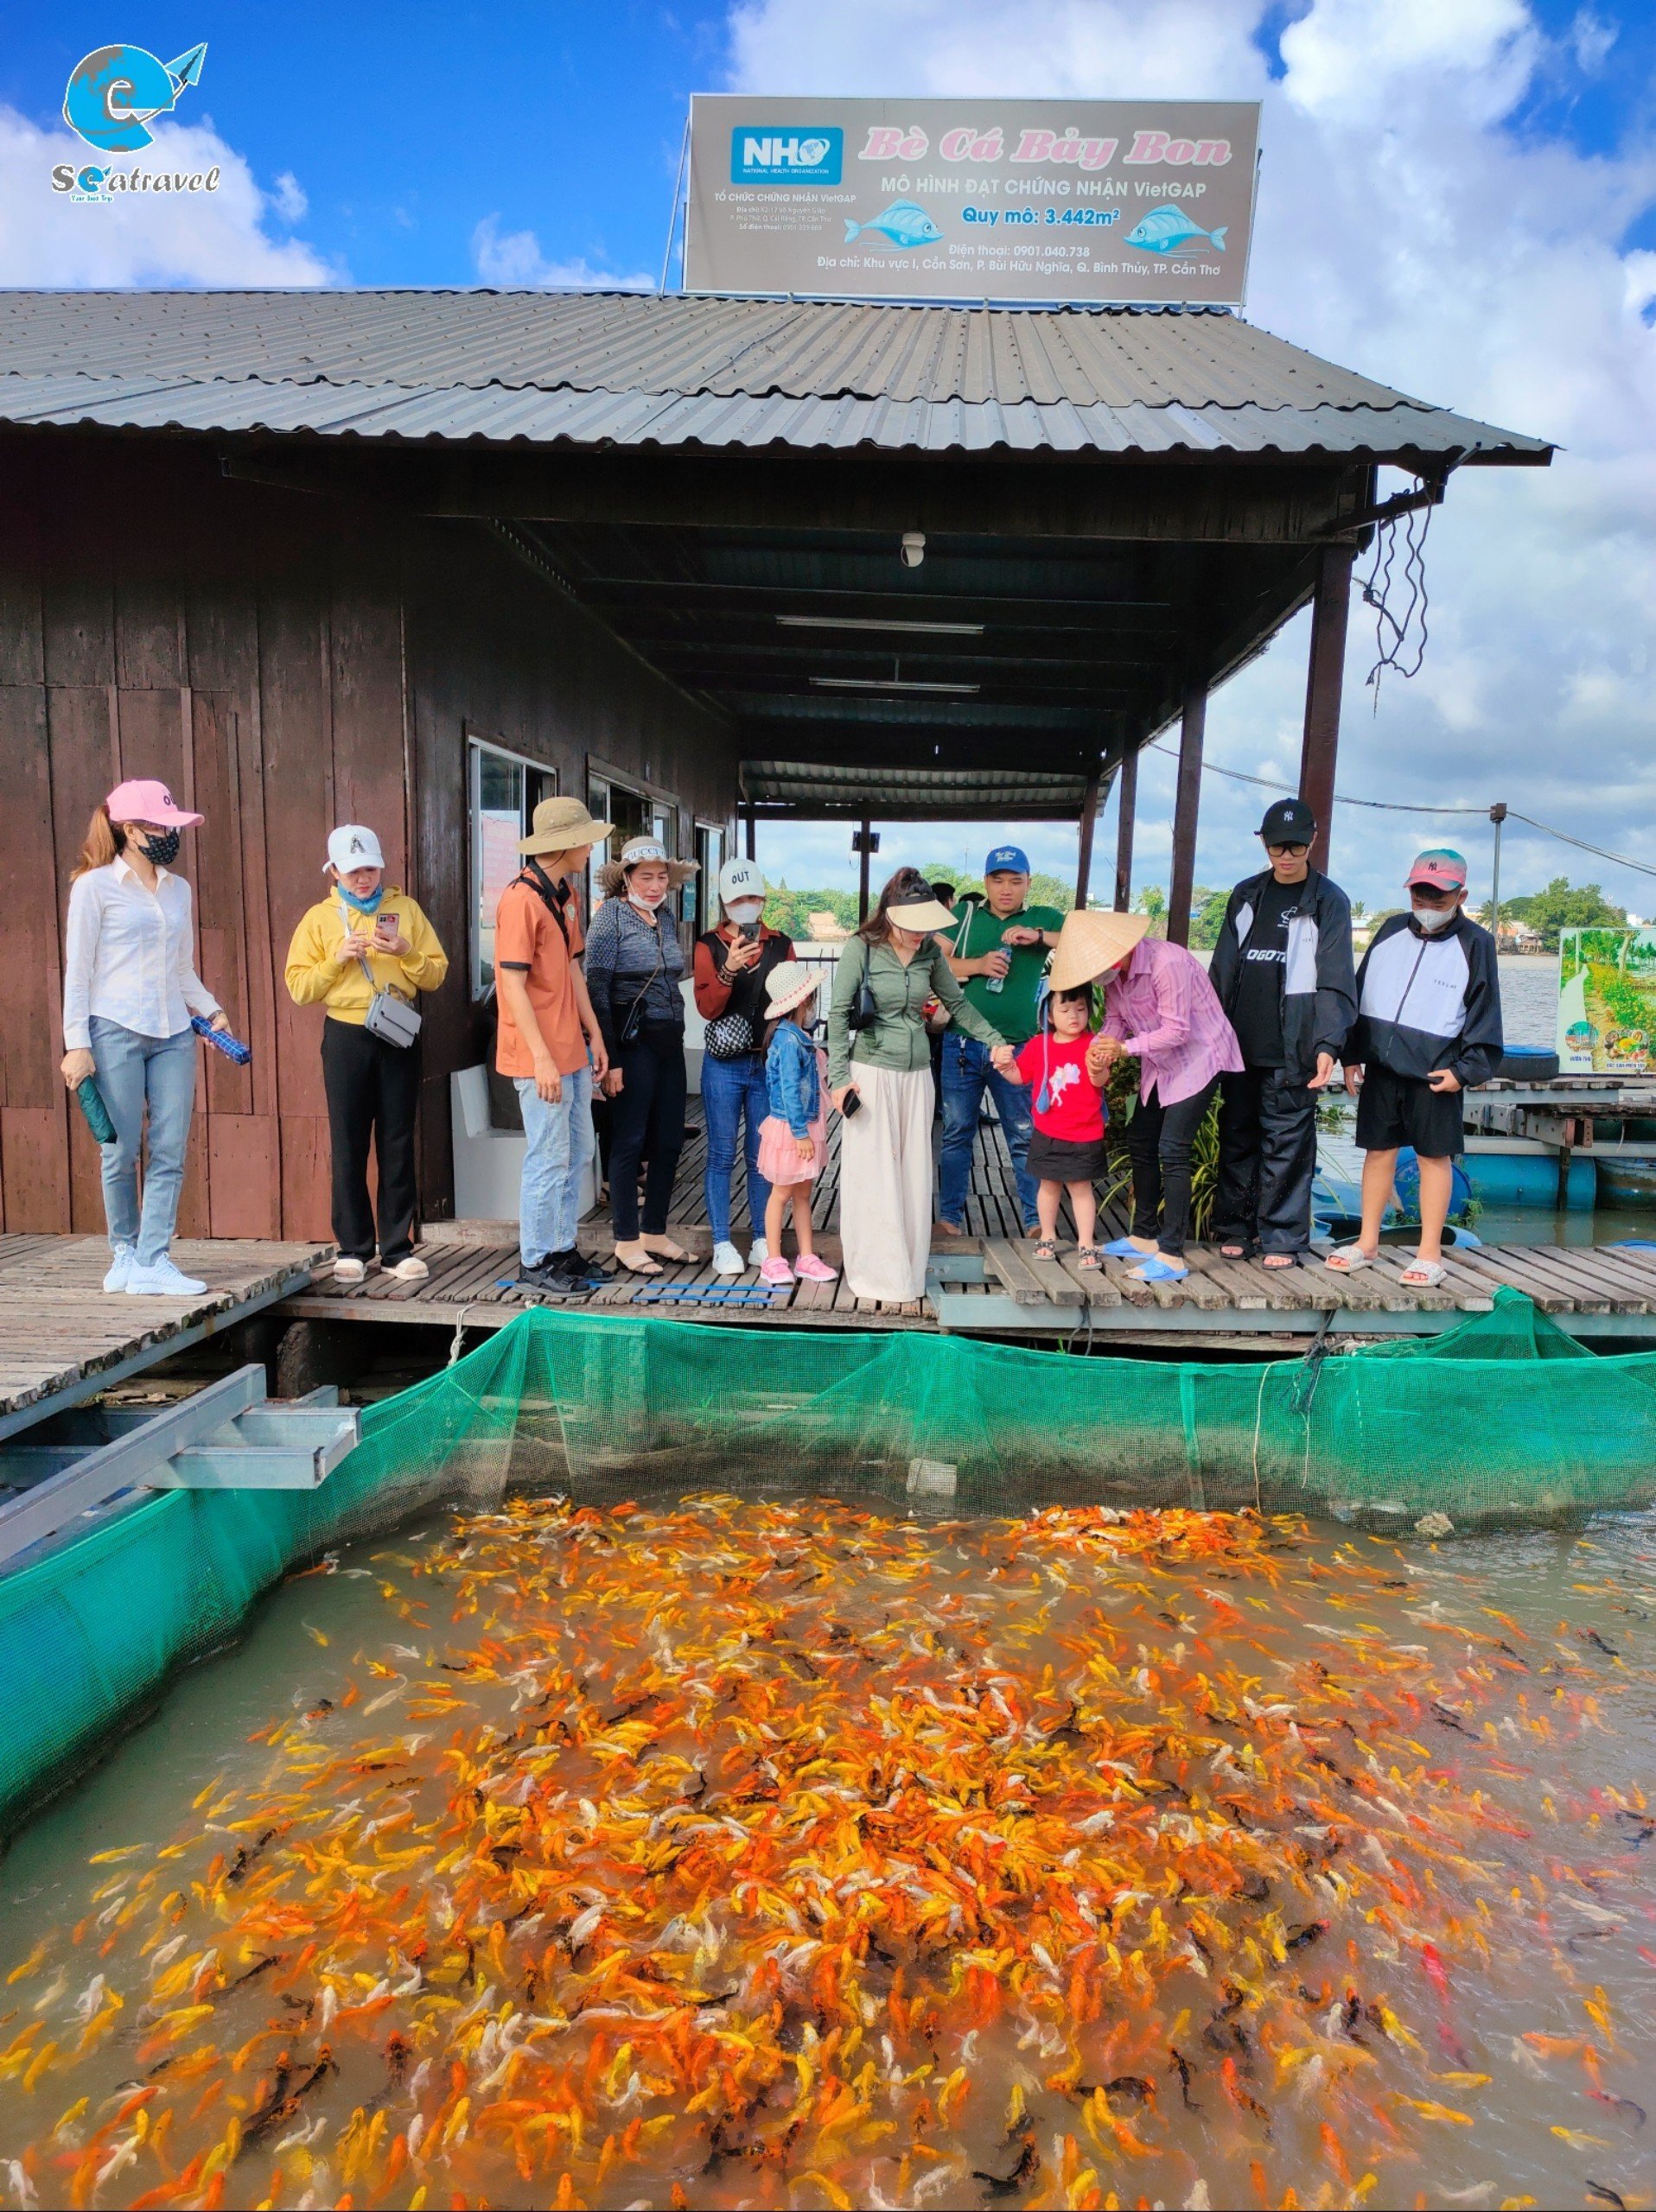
[1067,1148]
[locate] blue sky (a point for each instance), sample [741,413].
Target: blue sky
[1458,198]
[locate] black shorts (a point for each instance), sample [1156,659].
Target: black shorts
[1061,1160]
[1399,1109]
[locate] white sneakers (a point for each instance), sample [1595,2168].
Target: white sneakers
[163,1279]
[727,1261]
[120,1267]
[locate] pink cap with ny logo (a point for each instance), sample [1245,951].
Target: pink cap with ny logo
[142,799]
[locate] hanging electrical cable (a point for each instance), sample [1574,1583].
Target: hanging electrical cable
[1400,644]
[1400,806]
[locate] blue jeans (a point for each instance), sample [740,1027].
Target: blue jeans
[733,1090]
[965,1070]
[557,1154]
[135,1073]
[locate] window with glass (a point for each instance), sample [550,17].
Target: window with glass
[709,853]
[504,790]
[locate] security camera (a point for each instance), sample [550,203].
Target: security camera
[913,548]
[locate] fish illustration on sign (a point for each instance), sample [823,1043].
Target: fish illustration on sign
[903,222]
[1167,229]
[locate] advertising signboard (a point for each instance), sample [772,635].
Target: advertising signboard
[1607,1001]
[1108,200]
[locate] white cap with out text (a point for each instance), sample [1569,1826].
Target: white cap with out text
[741,880]
[353,846]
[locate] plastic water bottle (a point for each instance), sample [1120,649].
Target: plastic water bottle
[998,983]
[90,1100]
[222,1040]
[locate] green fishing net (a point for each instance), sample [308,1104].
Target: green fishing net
[1504,1420]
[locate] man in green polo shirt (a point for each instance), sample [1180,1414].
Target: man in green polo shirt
[998,951]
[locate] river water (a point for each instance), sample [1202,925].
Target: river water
[792,1852]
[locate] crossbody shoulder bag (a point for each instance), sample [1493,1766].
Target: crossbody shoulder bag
[391,1017]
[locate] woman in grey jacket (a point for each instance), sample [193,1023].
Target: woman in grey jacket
[635,965]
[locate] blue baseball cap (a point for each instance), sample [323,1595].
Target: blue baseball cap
[1007,859]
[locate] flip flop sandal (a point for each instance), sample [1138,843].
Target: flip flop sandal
[1089,1256]
[1423,1275]
[645,1266]
[1279,1263]
[1157,1270]
[673,1254]
[1345,1259]
[1124,1248]
[1046,1249]
[1234,1252]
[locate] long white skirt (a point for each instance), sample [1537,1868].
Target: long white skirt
[885,1183]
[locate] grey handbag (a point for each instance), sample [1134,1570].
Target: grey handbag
[389,1017]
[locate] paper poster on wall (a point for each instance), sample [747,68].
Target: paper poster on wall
[1607,1001]
[1106,201]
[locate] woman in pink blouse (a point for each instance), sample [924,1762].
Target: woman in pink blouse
[1160,1010]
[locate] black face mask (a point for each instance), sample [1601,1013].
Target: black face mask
[161,847]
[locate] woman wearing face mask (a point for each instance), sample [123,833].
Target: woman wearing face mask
[1428,1026]
[634,969]
[364,937]
[881,1076]
[129,987]
[733,963]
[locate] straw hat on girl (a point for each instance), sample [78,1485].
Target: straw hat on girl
[1091,943]
[790,983]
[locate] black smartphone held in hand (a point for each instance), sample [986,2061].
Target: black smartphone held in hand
[853,1104]
[748,932]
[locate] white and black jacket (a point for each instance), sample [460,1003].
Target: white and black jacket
[1428,1002]
[1318,991]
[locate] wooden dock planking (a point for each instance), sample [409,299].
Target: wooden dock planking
[62,1338]
[474,1270]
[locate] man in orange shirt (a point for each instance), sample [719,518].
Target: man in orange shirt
[549,1042]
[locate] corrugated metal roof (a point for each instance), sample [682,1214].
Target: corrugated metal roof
[591,368]
[1028,792]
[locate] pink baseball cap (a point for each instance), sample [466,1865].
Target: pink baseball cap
[1441,869]
[141,799]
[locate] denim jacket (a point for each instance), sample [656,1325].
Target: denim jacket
[792,1085]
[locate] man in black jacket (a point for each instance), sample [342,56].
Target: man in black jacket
[1427,1028]
[1283,971]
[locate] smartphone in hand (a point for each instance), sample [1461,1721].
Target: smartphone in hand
[386,927]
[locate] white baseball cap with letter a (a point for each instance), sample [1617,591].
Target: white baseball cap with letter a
[353,846]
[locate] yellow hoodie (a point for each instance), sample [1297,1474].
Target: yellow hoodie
[318,976]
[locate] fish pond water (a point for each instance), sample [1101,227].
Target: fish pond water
[787,1852]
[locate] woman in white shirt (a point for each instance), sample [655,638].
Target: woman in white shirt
[129,987]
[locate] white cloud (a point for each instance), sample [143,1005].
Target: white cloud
[202,237]
[1407,231]
[514,260]
[288,198]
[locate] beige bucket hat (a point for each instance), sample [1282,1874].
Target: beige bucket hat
[612,876]
[559,825]
[1092,941]
[790,983]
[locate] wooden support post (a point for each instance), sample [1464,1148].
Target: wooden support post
[863,851]
[1083,862]
[753,830]
[1329,611]
[1185,808]
[1127,801]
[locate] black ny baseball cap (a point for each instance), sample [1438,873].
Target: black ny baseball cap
[1289,821]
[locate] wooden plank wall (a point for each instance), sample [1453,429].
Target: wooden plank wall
[283,661]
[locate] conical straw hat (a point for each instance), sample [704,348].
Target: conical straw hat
[1092,941]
